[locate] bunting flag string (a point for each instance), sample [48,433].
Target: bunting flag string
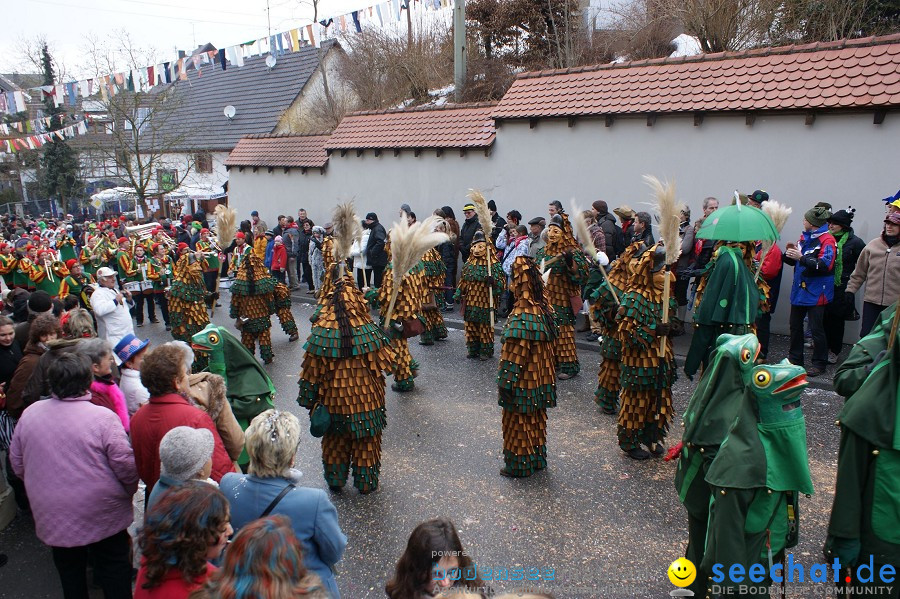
[34,142]
[144,78]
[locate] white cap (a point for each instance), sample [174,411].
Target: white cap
[105,272]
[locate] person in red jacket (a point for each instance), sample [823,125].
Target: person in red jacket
[771,274]
[165,376]
[279,259]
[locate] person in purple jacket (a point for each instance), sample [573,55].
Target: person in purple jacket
[80,497]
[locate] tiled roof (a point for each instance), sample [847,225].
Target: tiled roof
[861,73]
[451,126]
[280,150]
[259,95]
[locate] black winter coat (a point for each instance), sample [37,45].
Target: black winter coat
[376,256]
[470,226]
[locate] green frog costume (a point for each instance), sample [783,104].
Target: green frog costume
[708,416]
[249,389]
[757,476]
[865,516]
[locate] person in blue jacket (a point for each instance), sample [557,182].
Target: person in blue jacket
[813,287]
[271,487]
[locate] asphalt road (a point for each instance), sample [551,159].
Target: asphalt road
[601,524]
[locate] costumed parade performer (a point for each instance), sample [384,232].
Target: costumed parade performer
[646,376]
[342,379]
[249,389]
[481,281]
[604,296]
[399,299]
[709,415]
[76,282]
[187,308]
[865,518]
[568,271]
[252,305]
[433,284]
[527,374]
[756,478]
[730,299]
[161,277]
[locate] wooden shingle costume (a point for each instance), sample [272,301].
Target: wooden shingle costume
[343,371]
[433,287]
[569,270]
[527,374]
[187,308]
[252,304]
[479,278]
[646,377]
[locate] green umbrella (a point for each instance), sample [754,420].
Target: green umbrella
[738,223]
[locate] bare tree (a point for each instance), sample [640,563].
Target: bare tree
[639,30]
[722,25]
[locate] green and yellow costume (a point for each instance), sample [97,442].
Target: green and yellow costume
[476,282]
[527,374]
[435,271]
[343,372]
[253,303]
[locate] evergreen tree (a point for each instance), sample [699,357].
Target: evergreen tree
[59,174]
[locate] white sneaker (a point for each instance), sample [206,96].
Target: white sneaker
[832,358]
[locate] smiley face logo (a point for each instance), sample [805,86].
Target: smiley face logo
[682,572]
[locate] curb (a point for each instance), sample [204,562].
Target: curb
[453,321]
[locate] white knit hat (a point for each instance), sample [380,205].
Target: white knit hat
[184,450]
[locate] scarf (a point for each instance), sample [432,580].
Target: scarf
[841,238]
[890,240]
[106,386]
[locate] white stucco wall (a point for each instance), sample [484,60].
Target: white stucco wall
[843,159]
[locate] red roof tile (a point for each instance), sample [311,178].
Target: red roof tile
[279,150]
[451,126]
[862,73]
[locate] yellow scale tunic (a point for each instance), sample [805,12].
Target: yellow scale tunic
[605,310]
[472,292]
[407,306]
[526,377]
[256,305]
[348,380]
[433,294]
[187,310]
[647,378]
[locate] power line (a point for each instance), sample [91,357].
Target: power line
[181,6]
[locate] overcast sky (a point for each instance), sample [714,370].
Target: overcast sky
[165,25]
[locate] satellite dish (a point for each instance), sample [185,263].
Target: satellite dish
[270,61]
[230,111]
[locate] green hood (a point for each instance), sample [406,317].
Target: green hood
[758,454]
[731,295]
[244,376]
[717,399]
[872,412]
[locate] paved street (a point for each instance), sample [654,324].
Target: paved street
[607,526]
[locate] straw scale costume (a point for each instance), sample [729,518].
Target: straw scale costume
[343,374]
[433,287]
[569,270]
[527,373]
[252,305]
[605,308]
[480,276]
[187,308]
[647,377]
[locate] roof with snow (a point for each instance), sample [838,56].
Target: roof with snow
[448,126]
[847,74]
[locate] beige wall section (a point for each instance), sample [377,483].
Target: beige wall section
[305,115]
[842,159]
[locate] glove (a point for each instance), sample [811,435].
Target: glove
[849,299]
[489,281]
[846,550]
[662,329]
[568,259]
[397,326]
[602,259]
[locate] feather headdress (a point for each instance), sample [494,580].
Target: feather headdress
[482,212]
[226,225]
[347,229]
[669,212]
[779,214]
[408,245]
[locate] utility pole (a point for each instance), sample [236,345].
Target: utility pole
[459,48]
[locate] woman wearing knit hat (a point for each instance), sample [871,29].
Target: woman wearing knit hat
[843,308]
[185,453]
[813,260]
